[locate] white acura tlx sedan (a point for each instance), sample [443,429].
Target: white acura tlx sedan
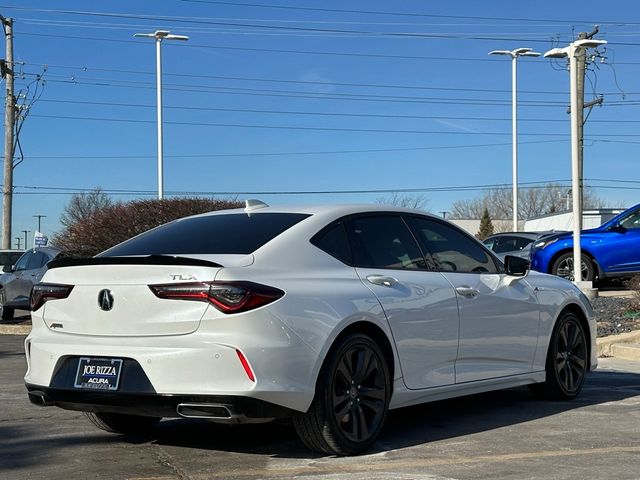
[328,315]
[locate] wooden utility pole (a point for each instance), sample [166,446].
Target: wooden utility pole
[582,68]
[9,127]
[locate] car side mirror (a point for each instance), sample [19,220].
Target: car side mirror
[8,268]
[516,266]
[616,227]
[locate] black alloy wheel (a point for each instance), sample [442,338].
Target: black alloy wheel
[352,399]
[567,360]
[359,392]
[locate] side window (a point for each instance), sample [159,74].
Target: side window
[384,241]
[36,261]
[334,241]
[450,249]
[523,243]
[490,243]
[505,244]
[631,221]
[24,261]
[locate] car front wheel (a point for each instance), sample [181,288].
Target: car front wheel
[352,399]
[563,267]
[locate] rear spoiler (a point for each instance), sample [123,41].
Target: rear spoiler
[147,260]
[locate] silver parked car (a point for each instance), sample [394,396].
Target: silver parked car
[18,279]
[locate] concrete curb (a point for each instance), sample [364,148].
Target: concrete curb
[604,343]
[626,351]
[15,329]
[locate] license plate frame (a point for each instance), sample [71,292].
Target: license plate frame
[98,373]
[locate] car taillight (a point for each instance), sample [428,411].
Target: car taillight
[43,292]
[228,297]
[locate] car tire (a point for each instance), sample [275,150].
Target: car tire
[6,313]
[351,401]
[123,424]
[567,360]
[563,267]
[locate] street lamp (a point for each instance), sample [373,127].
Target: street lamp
[160,35]
[39,217]
[25,238]
[573,51]
[518,52]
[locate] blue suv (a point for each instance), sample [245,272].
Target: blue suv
[611,250]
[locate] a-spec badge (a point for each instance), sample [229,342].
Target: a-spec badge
[182,277]
[105,300]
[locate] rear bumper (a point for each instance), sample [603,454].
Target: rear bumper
[225,408]
[202,364]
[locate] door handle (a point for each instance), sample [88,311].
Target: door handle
[467,291]
[382,280]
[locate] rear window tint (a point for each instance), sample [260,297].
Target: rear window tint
[234,233]
[334,241]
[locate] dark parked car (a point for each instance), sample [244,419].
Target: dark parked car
[611,250]
[18,279]
[517,244]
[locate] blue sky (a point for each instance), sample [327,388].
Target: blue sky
[286,96]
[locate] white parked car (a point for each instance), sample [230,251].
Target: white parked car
[330,315]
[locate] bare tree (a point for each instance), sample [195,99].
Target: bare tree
[404,200]
[84,204]
[117,222]
[532,202]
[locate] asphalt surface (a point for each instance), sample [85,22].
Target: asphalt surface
[506,435]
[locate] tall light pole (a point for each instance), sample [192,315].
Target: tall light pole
[518,52]
[160,35]
[573,50]
[25,238]
[39,217]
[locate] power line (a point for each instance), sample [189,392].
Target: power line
[327,129]
[301,82]
[311,95]
[295,153]
[43,190]
[320,114]
[202,21]
[408,14]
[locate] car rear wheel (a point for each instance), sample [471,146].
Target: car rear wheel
[563,267]
[6,313]
[352,399]
[121,423]
[567,360]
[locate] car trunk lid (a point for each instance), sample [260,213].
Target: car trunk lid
[111,296]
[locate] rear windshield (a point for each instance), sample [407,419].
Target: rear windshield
[234,233]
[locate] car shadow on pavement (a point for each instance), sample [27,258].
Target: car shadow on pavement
[405,427]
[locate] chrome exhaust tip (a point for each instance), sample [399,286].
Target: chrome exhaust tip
[40,399]
[204,410]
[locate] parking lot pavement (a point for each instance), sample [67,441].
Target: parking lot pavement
[505,435]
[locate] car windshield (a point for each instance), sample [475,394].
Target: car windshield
[234,233]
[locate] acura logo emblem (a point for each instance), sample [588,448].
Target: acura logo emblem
[105,300]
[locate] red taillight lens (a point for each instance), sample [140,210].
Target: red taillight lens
[228,297]
[43,292]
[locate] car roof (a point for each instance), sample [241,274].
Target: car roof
[337,210]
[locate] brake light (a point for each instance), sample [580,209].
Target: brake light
[228,297]
[43,292]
